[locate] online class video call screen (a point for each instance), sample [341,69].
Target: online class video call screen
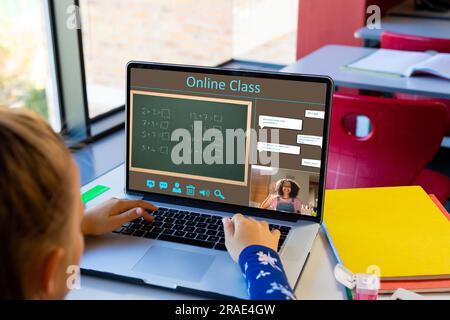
[239,140]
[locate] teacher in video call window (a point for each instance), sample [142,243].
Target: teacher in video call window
[284,197]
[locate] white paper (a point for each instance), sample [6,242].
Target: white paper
[438,65]
[390,61]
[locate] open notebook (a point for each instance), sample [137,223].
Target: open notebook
[404,63]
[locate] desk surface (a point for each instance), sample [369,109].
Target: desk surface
[317,282]
[329,60]
[435,28]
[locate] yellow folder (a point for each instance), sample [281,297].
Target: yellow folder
[397,229]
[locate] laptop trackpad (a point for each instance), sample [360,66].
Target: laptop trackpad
[174,263]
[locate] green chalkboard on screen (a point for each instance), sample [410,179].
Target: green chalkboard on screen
[155,117]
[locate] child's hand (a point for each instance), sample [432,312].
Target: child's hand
[241,232]
[273,189]
[112,214]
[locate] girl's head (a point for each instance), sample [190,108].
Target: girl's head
[40,209]
[287,188]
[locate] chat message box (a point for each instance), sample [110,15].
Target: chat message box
[309,140]
[282,123]
[311,163]
[279,148]
[315,114]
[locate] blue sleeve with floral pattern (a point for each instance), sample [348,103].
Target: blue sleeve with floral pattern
[264,274]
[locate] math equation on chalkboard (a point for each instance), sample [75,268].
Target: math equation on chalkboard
[162,123]
[156,130]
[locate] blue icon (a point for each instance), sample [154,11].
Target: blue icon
[176,188]
[190,190]
[151,184]
[163,185]
[218,194]
[204,193]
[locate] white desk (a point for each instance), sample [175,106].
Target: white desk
[329,60]
[317,282]
[435,28]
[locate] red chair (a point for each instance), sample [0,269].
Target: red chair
[404,137]
[397,41]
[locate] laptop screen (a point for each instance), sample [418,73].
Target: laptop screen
[239,138]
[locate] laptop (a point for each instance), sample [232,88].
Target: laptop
[206,143]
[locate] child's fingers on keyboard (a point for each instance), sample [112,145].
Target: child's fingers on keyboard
[276,233]
[129,204]
[228,227]
[128,216]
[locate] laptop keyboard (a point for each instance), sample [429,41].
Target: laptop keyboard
[192,228]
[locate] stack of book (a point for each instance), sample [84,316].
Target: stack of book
[400,231]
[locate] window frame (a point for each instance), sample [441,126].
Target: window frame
[68,70]
[69,77]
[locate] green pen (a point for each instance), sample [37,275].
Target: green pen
[93,193]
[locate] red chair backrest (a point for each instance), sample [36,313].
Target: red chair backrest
[405,136]
[397,41]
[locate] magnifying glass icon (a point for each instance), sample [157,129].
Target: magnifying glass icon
[219,194]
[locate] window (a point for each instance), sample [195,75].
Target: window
[43,67]
[200,32]
[24,60]
[265,30]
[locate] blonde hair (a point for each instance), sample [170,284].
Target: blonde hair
[34,194]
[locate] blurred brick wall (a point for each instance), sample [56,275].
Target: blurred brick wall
[173,31]
[199,32]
